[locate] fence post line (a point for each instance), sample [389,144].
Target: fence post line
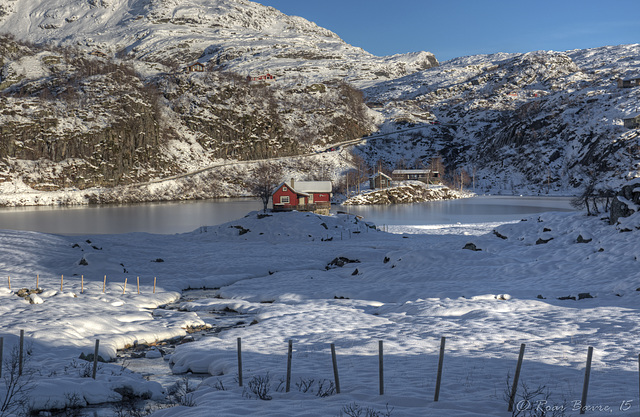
[95,359]
[1,352]
[239,361]
[440,363]
[335,368]
[289,356]
[381,366]
[21,352]
[516,377]
[585,387]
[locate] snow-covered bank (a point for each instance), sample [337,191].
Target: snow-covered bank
[406,192]
[407,290]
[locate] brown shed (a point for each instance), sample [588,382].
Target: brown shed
[195,67]
[632,122]
[379,180]
[628,82]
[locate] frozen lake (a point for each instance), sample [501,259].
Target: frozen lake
[180,217]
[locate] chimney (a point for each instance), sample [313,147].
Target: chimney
[292,185]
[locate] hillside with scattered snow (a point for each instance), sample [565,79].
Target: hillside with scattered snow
[96,106]
[535,123]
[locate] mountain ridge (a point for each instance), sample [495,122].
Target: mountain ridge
[543,122]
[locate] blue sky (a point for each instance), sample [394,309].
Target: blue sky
[456,28]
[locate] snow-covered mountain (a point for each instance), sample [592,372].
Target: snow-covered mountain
[237,35]
[534,122]
[94,94]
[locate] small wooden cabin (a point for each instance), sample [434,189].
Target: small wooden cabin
[195,67]
[632,122]
[303,196]
[379,180]
[628,82]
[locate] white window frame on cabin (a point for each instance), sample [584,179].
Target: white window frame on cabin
[284,199]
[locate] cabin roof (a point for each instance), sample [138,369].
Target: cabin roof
[303,187]
[411,171]
[380,174]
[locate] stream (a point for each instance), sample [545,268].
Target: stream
[152,361]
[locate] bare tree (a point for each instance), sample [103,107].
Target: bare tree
[264,180]
[589,193]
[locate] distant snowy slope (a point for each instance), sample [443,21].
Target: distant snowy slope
[238,35]
[534,122]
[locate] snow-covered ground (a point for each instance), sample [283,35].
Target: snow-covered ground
[405,289]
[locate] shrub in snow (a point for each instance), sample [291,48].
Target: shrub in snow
[182,392]
[18,383]
[355,410]
[259,386]
[533,402]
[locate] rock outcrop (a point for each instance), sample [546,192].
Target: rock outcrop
[626,202]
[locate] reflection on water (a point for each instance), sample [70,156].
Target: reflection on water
[180,217]
[164,218]
[468,210]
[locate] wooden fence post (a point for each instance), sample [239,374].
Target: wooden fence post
[9,279]
[335,368]
[239,362]
[440,363]
[516,377]
[95,359]
[61,282]
[81,284]
[37,281]
[289,356]
[138,280]
[104,284]
[124,289]
[21,352]
[585,386]
[154,285]
[1,352]
[381,367]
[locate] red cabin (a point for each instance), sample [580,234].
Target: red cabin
[303,196]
